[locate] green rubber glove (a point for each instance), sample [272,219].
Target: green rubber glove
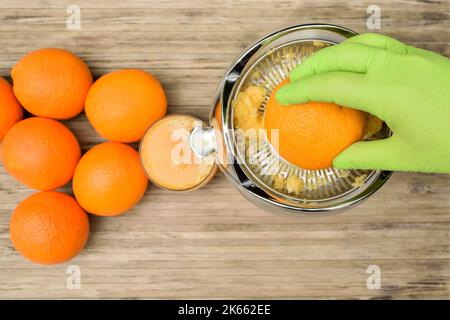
[407,87]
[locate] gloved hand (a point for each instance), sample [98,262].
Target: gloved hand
[407,87]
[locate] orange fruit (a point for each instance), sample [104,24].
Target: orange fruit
[41,153]
[49,227]
[10,109]
[109,179]
[51,83]
[121,105]
[311,135]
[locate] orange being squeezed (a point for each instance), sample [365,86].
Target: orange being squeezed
[311,135]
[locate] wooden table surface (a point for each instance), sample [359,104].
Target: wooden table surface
[213,243]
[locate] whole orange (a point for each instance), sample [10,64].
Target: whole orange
[121,105]
[49,227]
[51,83]
[41,153]
[109,179]
[311,135]
[10,109]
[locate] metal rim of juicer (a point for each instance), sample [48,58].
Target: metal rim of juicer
[239,173]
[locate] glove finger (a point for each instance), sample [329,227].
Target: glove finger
[387,154]
[379,41]
[375,155]
[350,57]
[343,88]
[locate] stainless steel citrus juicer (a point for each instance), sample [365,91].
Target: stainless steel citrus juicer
[265,64]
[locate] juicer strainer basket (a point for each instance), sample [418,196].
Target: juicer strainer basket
[258,173]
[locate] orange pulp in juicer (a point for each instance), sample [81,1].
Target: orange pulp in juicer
[167,158]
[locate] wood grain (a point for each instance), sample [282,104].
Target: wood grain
[213,242]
